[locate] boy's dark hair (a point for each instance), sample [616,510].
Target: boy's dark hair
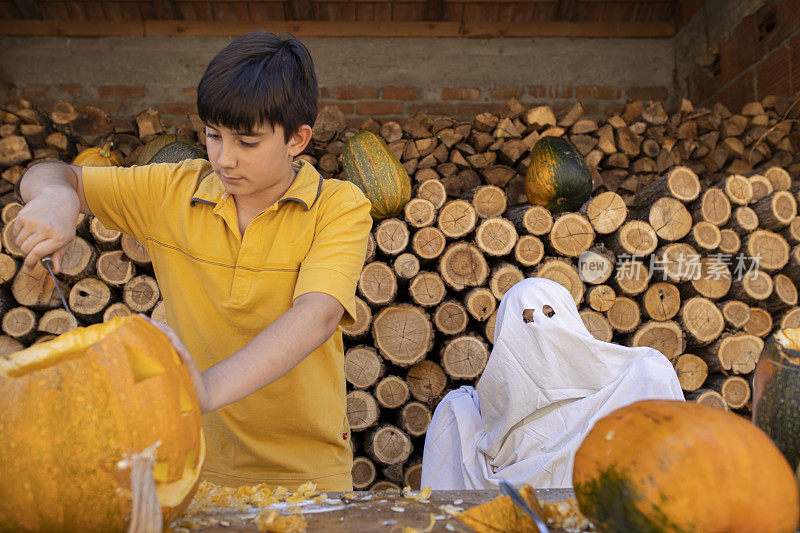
[259,78]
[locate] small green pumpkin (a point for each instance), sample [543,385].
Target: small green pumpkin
[368,163]
[776,403]
[557,177]
[169,148]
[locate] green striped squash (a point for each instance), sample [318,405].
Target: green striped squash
[168,148]
[369,163]
[557,177]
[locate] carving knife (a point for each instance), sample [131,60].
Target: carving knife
[47,263]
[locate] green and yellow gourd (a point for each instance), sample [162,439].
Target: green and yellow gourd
[168,148]
[369,164]
[557,177]
[776,405]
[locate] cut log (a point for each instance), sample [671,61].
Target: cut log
[370,254]
[159,312]
[661,301]
[670,219]
[403,334]
[135,250]
[606,212]
[503,277]
[427,289]
[564,274]
[386,487]
[488,328]
[488,200]
[792,232]
[362,410]
[141,293]
[600,297]
[464,357]
[9,236]
[428,243]
[9,345]
[55,322]
[20,323]
[496,236]
[704,237]
[735,389]
[760,323]
[457,218]
[377,284]
[426,381]
[783,296]
[665,336]
[743,220]
[120,309]
[714,280]
[363,321]
[9,212]
[434,191]
[736,313]
[634,238]
[387,445]
[406,266]
[391,132]
[14,150]
[770,248]
[391,392]
[692,371]
[709,398]
[104,238]
[413,475]
[391,236]
[533,220]
[571,235]
[713,206]
[677,262]
[363,367]
[115,268]
[738,189]
[450,318]
[89,297]
[480,303]
[598,325]
[789,319]
[754,287]
[792,269]
[363,473]
[761,187]
[414,418]
[624,316]
[463,265]
[779,178]
[701,320]
[528,251]
[729,241]
[776,210]
[34,288]
[79,260]
[680,183]
[736,353]
[596,265]
[419,212]
[8,269]
[631,278]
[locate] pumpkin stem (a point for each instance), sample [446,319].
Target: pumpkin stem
[105,151]
[146,515]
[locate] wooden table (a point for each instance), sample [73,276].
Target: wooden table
[372,512]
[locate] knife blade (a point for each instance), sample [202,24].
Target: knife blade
[509,490]
[47,263]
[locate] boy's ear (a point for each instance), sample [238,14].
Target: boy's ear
[299,140]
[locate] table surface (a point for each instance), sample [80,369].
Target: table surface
[372,511]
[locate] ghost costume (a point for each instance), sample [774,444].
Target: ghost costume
[545,385]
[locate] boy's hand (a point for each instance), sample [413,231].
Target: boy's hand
[46,226]
[200,387]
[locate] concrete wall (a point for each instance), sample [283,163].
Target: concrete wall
[365,77]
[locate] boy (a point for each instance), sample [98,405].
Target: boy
[257,259]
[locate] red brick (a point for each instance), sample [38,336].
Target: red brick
[121,91]
[34,91]
[379,108]
[603,93]
[738,93]
[794,50]
[462,93]
[476,108]
[505,93]
[746,36]
[552,91]
[73,90]
[774,75]
[653,92]
[354,93]
[177,108]
[108,107]
[399,93]
[345,107]
[324,92]
[431,109]
[189,92]
[729,64]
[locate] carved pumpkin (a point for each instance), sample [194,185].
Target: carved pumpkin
[678,466]
[74,408]
[97,157]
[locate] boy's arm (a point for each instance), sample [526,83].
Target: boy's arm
[53,196]
[277,349]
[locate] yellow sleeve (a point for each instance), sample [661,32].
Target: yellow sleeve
[129,199]
[334,262]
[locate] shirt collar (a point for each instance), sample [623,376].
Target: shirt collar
[305,188]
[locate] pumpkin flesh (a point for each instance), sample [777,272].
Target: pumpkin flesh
[75,407]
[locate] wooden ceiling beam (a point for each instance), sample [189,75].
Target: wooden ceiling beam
[568,10]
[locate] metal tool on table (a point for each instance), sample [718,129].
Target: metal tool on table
[509,490]
[47,263]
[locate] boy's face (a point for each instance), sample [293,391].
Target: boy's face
[254,164]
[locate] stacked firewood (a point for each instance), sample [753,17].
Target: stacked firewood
[690,244]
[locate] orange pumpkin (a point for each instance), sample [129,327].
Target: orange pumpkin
[75,407]
[97,157]
[674,466]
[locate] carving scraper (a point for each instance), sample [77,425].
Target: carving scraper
[47,263]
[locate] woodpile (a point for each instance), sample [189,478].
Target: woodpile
[657,257]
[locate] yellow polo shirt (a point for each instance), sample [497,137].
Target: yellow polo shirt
[221,288]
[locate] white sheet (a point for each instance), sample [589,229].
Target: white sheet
[545,385]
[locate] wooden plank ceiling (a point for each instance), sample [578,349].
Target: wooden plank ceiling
[409,18]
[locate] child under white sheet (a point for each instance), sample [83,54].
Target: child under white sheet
[547,381]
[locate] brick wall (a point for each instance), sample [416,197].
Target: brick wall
[759,57]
